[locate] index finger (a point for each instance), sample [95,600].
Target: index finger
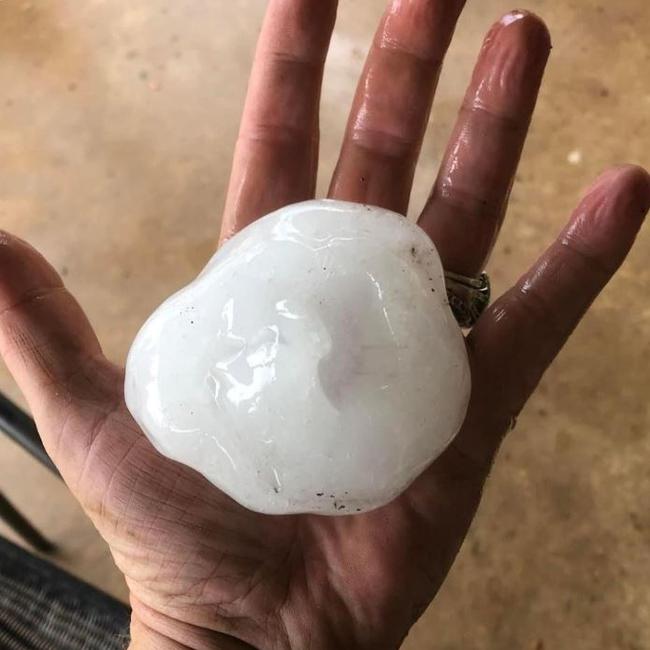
[277,150]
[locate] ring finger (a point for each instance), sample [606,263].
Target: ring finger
[465,210]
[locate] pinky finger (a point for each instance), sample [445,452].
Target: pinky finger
[523,332]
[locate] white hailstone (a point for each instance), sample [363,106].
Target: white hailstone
[313,366]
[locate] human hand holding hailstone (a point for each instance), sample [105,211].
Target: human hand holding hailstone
[206,572]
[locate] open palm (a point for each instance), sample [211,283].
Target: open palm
[203,571]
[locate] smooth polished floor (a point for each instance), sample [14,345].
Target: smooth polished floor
[117,123]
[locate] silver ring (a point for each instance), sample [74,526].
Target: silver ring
[468,297]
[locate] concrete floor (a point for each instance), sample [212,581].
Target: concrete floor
[117,122]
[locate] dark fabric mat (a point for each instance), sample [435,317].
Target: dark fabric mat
[44,608]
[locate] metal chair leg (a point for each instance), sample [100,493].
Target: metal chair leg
[22,527]
[22,430]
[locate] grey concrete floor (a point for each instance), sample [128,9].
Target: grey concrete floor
[117,123]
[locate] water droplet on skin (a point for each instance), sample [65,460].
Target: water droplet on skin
[512,17]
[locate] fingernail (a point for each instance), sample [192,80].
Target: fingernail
[512,61]
[523,21]
[512,17]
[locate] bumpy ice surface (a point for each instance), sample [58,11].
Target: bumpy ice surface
[313,366]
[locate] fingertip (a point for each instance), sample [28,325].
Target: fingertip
[529,25]
[629,185]
[635,180]
[22,268]
[11,248]
[11,244]
[511,65]
[6,238]
[525,28]
[607,221]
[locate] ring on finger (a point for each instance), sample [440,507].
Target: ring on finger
[468,297]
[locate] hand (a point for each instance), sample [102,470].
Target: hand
[204,572]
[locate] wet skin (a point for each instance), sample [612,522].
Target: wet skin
[205,573]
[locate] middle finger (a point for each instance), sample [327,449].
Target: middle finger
[391,108]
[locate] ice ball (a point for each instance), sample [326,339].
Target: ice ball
[313,366]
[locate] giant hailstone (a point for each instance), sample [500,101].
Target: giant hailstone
[313,366]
